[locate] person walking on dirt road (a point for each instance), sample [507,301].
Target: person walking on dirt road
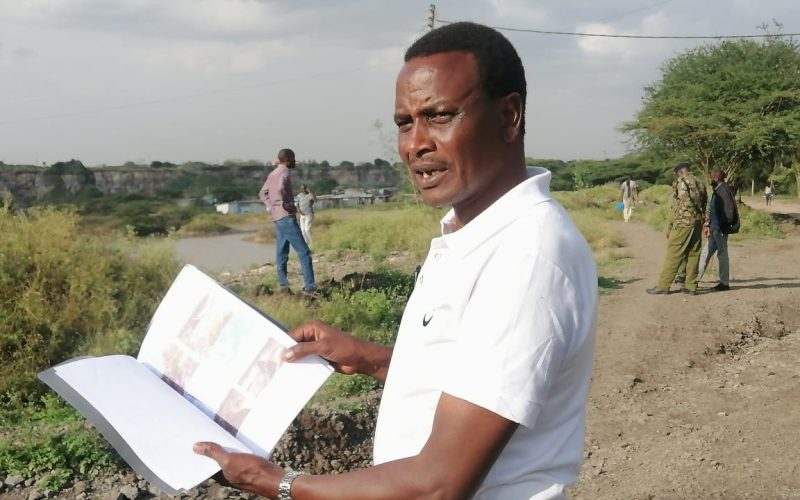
[630,195]
[684,231]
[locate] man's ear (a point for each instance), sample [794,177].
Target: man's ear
[511,113]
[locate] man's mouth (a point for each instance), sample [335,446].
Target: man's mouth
[428,177]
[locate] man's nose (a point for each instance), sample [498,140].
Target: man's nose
[418,140]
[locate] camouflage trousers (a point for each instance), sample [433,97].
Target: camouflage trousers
[683,249]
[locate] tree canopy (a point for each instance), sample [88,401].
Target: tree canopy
[733,105]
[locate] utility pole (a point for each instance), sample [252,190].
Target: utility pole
[432,17]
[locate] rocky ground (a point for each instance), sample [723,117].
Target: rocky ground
[692,396]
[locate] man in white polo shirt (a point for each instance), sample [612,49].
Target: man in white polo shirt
[486,385]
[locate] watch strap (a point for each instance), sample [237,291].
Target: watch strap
[285,486]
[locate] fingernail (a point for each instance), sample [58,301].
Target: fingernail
[198,448]
[288,355]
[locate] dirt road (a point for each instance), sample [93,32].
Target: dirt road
[698,396]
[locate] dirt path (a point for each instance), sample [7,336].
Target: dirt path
[698,396]
[790,208]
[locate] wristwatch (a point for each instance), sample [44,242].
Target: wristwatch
[285,486]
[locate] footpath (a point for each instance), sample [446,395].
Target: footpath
[698,396]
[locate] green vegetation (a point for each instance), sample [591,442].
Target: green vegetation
[369,305]
[379,232]
[755,224]
[65,294]
[46,438]
[733,105]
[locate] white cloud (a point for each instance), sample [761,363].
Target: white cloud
[215,57]
[624,49]
[520,12]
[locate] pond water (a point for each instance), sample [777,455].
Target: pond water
[224,253]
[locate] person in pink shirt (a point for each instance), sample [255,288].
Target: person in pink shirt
[277,195]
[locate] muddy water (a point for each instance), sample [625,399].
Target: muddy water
[224,253]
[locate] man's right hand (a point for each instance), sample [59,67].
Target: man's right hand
[706,232]
[347,354]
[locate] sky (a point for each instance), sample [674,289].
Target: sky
[110,81]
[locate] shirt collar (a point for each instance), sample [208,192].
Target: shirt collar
[504,211]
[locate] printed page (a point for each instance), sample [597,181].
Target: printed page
[147,422]
[227,359]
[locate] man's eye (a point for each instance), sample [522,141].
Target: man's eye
[442,117]
[403,124]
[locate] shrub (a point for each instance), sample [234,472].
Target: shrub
[61,291]
[378,233]
[757,224]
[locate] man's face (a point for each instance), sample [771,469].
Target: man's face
[716,177]
[449,130]
[683,172]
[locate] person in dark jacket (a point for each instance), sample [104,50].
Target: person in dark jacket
[722,219]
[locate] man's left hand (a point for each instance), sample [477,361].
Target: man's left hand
[243,470]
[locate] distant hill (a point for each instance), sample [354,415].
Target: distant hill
[65,181]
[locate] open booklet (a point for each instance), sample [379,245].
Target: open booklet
[209,369]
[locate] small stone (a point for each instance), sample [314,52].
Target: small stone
[30,481]
[13,480]
[129,491]
[722,414]
[80,487]
[80,496]
[35,495]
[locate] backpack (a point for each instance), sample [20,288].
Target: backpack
[731,226]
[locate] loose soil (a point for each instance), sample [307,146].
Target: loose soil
[698,396]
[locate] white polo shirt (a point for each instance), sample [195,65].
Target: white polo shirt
[503,316]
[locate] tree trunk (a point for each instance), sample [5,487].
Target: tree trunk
[797,178]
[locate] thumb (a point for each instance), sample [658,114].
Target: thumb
[301,350]
[212,451]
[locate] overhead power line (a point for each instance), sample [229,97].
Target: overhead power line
[649,37]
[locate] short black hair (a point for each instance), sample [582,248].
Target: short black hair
[499,66]
[284,154]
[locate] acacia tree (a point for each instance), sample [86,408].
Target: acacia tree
[733,105]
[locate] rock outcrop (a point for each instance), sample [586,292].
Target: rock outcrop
[64,180]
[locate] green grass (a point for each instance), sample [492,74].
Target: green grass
[47,438]
[377,232]
[755,224]
[367,305]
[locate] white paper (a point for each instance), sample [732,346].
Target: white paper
[210,369]
[227,358]
[159,427]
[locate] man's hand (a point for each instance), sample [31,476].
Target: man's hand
[706,232]
[243,470]
[290,207]
[348,354]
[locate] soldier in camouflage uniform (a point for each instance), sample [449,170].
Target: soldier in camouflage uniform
[684,231]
